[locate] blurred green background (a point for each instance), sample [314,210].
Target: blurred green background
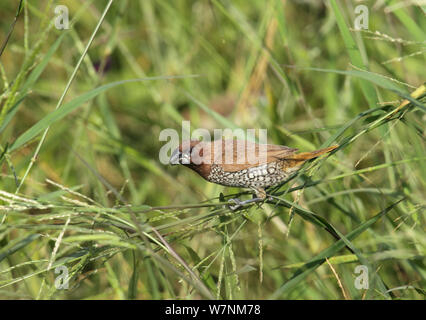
[86,193]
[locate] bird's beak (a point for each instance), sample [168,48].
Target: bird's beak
[175,158]
[180,158]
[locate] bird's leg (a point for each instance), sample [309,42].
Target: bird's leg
[260,196]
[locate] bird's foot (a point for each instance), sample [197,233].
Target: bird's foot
[237,203]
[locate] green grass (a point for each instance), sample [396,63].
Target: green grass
[81,184]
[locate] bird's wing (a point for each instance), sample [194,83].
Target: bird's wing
[279,152]
[239,155]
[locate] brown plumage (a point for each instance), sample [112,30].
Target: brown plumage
[245,164]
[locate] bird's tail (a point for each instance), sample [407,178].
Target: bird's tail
[304,156]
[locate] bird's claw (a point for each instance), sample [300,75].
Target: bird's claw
[237,203]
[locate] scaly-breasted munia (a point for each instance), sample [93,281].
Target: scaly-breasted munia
[245,164]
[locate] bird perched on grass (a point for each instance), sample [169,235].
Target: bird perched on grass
[245,164]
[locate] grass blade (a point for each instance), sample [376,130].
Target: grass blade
[354,53]
[319,259]
[67,108]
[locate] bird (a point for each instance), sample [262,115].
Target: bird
[242,163]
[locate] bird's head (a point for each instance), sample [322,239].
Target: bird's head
[188,153]
[194,154]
